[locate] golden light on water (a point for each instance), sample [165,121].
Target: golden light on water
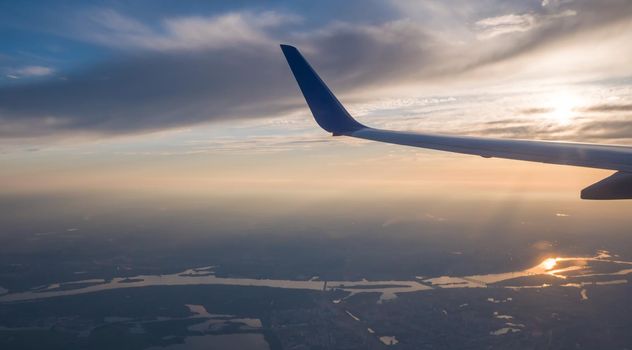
[549,263]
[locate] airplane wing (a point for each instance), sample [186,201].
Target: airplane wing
[331,115]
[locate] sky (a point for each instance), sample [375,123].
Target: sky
[196,97]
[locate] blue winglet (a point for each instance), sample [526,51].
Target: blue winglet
[326,109]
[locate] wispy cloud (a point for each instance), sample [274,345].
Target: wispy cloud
[30,71]
[554,3]
[186,33]
[609,108]
[536,110]
[582,130]
[494,26]
[516,23]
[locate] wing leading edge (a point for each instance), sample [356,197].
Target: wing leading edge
[331,115]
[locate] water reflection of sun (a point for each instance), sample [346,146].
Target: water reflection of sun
[549,263]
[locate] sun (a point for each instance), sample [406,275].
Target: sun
[563,107]
[549,263]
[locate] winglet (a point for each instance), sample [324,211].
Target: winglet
[326,109]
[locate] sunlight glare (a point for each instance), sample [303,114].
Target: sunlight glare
[549,263]
[563,106]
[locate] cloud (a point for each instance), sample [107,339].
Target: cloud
[618,129]
[494,26]
[150,92]
[169,87]
[554,3]
[517,23]
[609,108]
[30,71]
[186,33]
[536,110]
[372,54]
[185,71]
[583,130]
[525,130]
[547,30]
[260,144]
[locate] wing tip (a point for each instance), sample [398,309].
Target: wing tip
[329,113]
[287,47]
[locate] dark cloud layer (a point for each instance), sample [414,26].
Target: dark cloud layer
[152,91]
[146,89]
